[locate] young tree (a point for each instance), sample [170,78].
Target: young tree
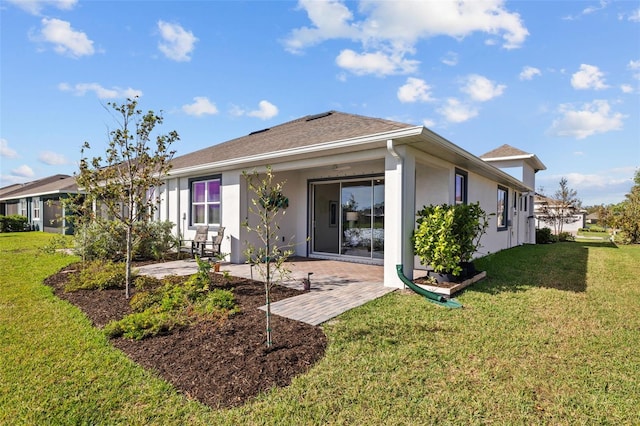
[269,257]
[124,182]
[625,216]
[562,208]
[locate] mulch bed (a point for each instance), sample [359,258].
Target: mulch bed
[221,364]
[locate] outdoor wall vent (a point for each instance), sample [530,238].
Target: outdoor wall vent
[259,131]
[316,116]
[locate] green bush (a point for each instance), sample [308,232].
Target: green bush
[146,282]
[161,309]
[143,324]
[100,240]
[154,240]
[13,223]
[447,235]
[544,236]
[565,236]
[98,275]
[107,240]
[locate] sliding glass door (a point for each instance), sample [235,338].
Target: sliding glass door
[348,218]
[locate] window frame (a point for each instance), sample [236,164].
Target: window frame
[465,186]
[205,180]
[23,207]
[505,213]
[36,209]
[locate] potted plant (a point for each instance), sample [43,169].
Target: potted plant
[447,237]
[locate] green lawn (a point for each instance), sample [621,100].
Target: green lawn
[552,336]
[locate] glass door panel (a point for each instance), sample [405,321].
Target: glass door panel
[356,200]
[378,219]
[326,218]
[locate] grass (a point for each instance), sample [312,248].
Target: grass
[551,337]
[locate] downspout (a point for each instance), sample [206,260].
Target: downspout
[400,195]
[430,296]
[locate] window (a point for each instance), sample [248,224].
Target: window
[36,209]
[23,208]
[503,210]
[461,187]
[205,202]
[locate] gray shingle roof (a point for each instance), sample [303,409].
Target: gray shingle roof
[305,131]
[49,185]
[504,151]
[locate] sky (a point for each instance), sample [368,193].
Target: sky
[559,79]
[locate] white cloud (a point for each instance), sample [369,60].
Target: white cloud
[5,151]
[589,119]
[451,59]
[427,122]
[455,111]
[81,89]
[634,66]
[404,23]
[626,88]
[35,6]
[600,187]
[482,89]
[65,39]
[389,31]
[177,44]
[589,77]
[52,158]
[377,63]
[633,16]
[414,90]
[265,111]
[23,171]
[201,106]
[528,73]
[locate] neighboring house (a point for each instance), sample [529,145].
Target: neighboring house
[592,218]
[40,202]
[354,185]
[550,212]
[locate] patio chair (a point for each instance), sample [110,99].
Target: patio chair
[196,246]
[211,249]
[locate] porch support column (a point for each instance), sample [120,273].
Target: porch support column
[233,213]
[400,167]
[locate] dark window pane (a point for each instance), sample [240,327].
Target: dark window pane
[213,191]
[198,192]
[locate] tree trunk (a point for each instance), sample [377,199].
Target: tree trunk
[128,262]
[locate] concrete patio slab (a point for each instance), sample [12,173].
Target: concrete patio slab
[336,286]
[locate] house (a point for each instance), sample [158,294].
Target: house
[354,185]
[592,218]
[552,214]
[40,202]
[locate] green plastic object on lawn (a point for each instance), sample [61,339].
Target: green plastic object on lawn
[429,295]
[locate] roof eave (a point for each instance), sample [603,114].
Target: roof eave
[265,158]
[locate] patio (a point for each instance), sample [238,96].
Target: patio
[336,287]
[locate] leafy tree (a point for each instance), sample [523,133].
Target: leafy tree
[122,185]
[625,216]
[269,257]
[562,208]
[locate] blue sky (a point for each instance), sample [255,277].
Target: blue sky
[560,79]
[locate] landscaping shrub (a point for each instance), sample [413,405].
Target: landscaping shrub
[98,275]
[163,308]
[146,282]
[544,236]
[13,223]
[100,240]
[565,236]
[107,240]
[154,240]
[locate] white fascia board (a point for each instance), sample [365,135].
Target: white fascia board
[325,146]
[39,194]
[488,169]
[538,165]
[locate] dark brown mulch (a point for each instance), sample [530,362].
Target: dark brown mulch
[220,364]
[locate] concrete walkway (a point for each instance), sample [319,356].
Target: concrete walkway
[336,287]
